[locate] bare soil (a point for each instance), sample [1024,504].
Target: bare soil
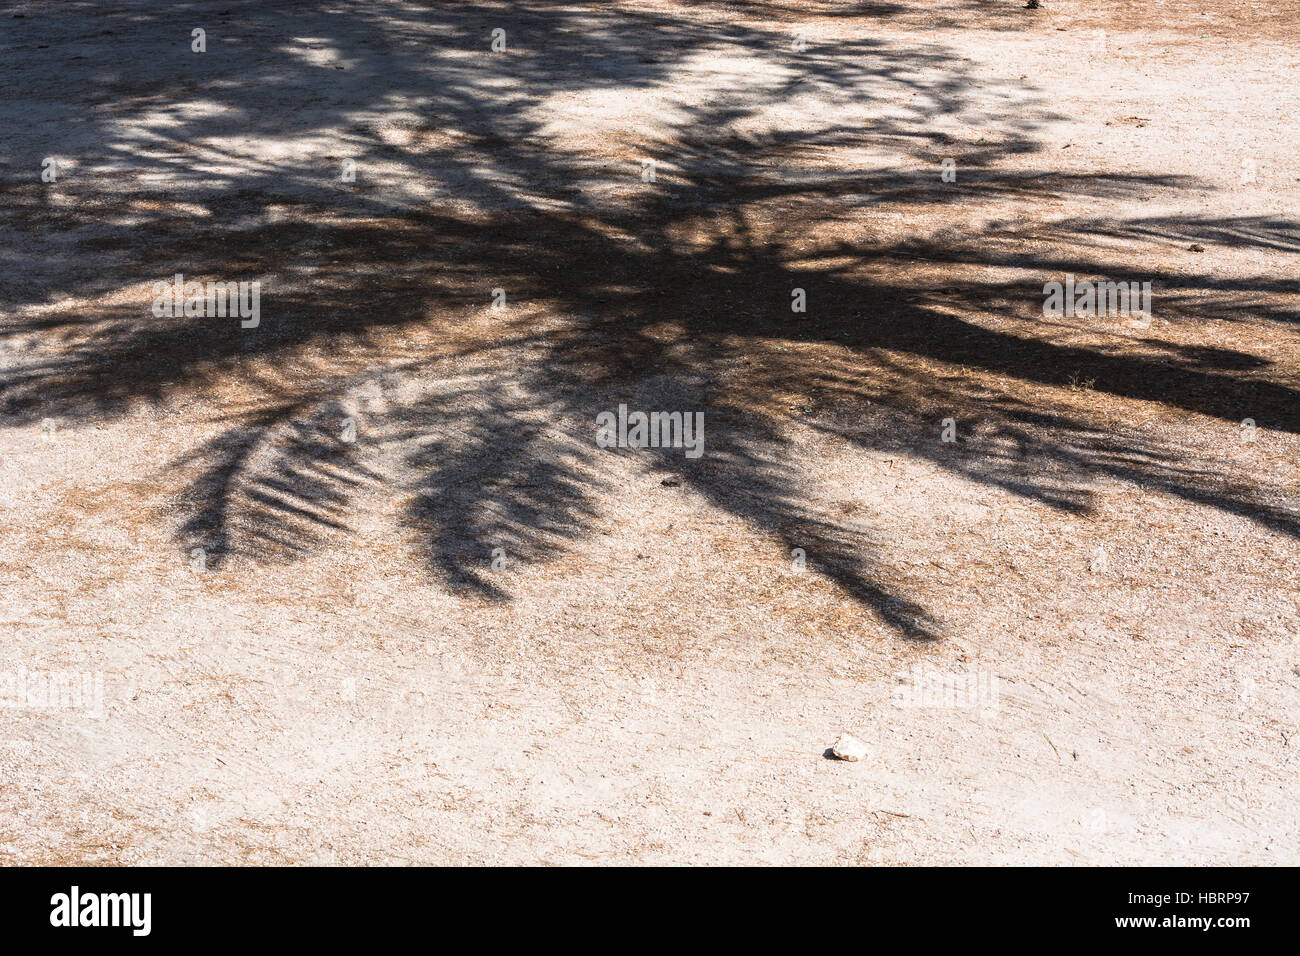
[471,635]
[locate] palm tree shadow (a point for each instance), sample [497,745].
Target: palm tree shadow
[663,291]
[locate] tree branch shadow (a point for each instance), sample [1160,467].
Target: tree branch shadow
[664,292]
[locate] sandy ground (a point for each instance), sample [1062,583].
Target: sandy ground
[359,586]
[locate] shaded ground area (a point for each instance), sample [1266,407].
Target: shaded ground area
[375,541]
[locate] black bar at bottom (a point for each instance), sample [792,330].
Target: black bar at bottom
[335,906]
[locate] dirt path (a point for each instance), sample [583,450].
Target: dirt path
[359,585]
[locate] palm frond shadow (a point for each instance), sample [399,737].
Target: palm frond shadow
[669,293]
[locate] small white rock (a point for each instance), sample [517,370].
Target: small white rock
[849,747]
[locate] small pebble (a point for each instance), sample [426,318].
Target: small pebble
[849,747]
